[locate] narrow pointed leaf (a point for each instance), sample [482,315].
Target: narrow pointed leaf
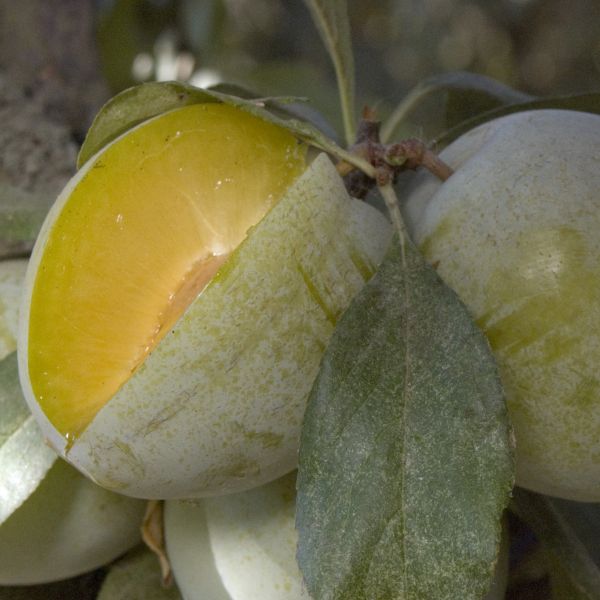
[137,576]
[331,19]
[405,461]
[25,458]
[569,533]
[137,104]
[134,105]
[292,107]
[299,127]
[458,96]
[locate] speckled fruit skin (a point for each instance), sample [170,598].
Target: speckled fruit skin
[516,232]
[217,407]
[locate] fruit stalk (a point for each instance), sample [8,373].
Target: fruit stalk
[392,158]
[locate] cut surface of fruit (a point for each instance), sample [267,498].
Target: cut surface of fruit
[217,407]
[134,238]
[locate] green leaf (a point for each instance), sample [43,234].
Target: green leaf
[137,104]
[137,577]
[25,458]
[447,100]
[21,216]
[580,102]
[584,519]
[569,535]
[134,105]
[405,459]
[331,19]
[299,127]
[292,107]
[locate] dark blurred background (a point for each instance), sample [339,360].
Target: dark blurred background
[77,52]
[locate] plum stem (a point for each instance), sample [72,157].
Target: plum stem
[391,201]
[395,158]
[414,153]
[153,536]
[386,189]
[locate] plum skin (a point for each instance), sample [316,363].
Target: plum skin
[516,233]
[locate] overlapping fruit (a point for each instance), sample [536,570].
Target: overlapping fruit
[180,297]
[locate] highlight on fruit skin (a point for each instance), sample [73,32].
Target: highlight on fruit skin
[515,232]
[238,547]
[179,298]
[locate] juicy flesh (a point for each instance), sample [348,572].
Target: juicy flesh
[138,238]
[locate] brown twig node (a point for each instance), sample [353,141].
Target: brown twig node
[391,159]
[414,153]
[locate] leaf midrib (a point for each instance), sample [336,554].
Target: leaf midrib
[405,396]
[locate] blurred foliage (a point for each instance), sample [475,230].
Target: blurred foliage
[128,29]
[538,46]
[84,587]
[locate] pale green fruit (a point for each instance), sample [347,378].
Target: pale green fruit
[189,550]
[516,232]
[66,527]
[217,406]
[237,547]
[24,457]
[12,274]
[243,546]
[137,576]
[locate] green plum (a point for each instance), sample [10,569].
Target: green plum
[515,231]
